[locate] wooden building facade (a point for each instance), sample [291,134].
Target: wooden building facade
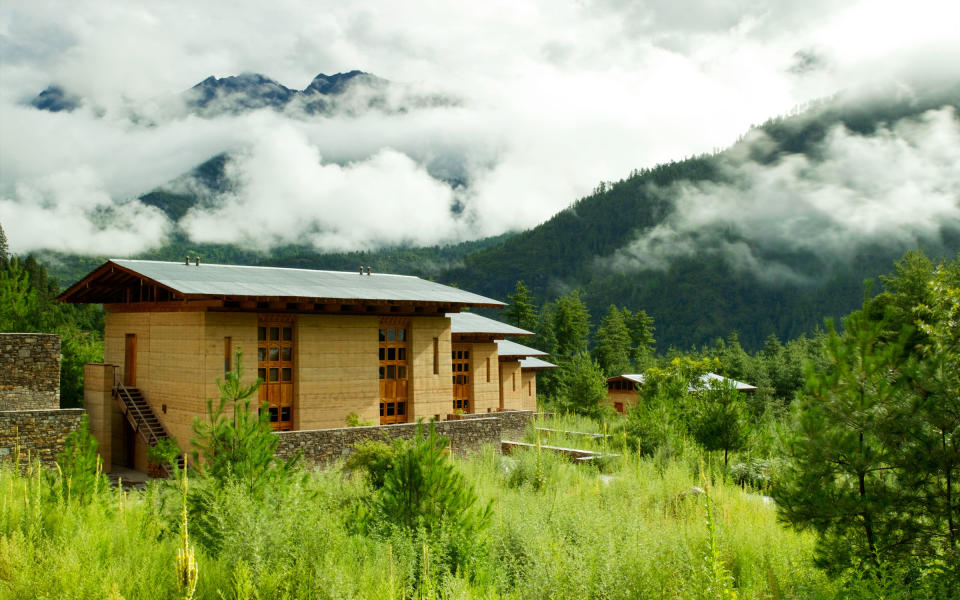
[326,344]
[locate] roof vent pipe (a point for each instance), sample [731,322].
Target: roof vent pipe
[197,260]
[187,261]
[368,270]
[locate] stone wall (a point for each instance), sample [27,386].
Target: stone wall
[324,446]
[29,371]
[39,433]
[513,423]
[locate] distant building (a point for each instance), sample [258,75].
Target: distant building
[622,390]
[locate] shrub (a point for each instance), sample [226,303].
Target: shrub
[79,464]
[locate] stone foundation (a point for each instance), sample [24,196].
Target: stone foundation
[39,433]
[29,371]
[324,446]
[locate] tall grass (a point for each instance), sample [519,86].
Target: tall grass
[558,530]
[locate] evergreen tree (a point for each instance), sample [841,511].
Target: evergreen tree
[571,325]
[613,347]
[840,478]
[641,330]
[933,443]
[582,386]
[4,248]
[720,422]
[522,312]
[238,445]
[20,308]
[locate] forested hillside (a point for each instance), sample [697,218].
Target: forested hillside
[648,242]
[700,294]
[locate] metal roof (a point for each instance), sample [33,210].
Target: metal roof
[508,348]
[536,363]
[634,377]
[466,322]
[707,379]
[236,280]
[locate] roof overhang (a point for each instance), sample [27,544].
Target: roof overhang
[149,285]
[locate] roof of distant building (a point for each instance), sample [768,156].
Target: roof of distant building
[510,348]
[467,323]
[533,364]
[709,380]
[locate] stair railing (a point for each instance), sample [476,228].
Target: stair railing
[129,406]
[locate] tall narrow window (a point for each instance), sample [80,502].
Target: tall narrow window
[488,369]
[513,381]
[393,371]
[275,345]
[227,351]
[436,356]
[460,363]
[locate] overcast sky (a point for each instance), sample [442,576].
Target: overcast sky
[554,98]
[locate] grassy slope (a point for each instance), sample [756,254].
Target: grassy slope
[579,536]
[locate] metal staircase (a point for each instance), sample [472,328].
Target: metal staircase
[141,417]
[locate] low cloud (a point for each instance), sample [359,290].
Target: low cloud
[287,194]
[78,215]
[896,188]
[549,98]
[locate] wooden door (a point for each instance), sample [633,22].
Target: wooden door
[500,375]
[275,368]
[130,360]
[394,370]
[460,361]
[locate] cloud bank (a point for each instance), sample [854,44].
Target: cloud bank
[552,97]
[897,187]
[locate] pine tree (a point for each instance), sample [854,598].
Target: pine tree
[582,386]
[522,312]
[840,477]
[238,447]
[720,422]
[613,348]
[571,325]
[641,330]
[20,308]
[4,249]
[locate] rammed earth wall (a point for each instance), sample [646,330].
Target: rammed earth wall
[39,433]
[29,371]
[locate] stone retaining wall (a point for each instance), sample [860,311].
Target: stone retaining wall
[324,446]
[513,423]
[39,433]
[29,371]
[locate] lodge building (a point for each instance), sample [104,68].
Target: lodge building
[623,391]
[387,348]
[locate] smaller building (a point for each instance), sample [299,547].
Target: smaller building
[622,390]
[488,370]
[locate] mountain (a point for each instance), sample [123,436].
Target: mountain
[55,99]
[701,293]
[354,92]
[644,242]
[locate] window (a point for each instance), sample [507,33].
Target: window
[436,356]
[488,369]
[227,351]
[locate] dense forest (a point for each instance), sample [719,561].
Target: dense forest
[835,479]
